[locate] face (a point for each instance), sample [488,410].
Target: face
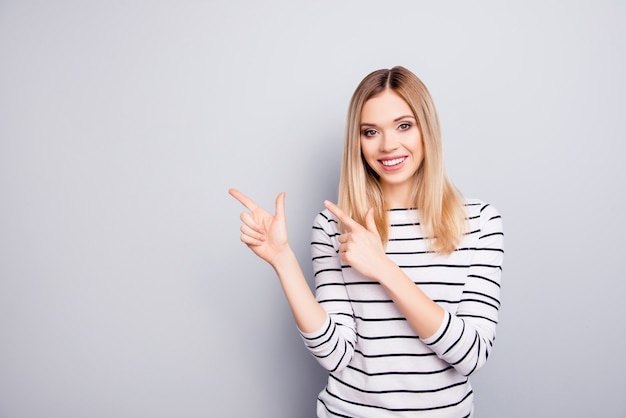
[391,143]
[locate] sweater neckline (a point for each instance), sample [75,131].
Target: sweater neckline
[403,215]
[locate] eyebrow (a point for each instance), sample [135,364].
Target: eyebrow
[395,120]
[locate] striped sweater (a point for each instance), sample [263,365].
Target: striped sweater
[378,366]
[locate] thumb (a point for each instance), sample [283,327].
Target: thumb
[280,206]
[370,223]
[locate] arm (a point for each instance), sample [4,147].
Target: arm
[362,249]
[463,339]
[333,346]
[266,236]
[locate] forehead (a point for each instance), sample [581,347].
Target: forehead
[384,107]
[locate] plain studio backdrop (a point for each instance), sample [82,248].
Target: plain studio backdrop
[124,288]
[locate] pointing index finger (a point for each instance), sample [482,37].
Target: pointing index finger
[341,215]
[243,199]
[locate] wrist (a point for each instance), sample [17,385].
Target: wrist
[386,271]
[282,258]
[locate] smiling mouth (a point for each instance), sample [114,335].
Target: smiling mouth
[393,162]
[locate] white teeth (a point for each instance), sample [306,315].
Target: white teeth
[395,161]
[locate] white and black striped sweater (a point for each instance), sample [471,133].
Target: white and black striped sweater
[378,366]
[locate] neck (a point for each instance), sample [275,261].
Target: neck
[398,197]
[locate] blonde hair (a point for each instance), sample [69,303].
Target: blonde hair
[442,214]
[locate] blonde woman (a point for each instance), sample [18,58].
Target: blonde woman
[407,271]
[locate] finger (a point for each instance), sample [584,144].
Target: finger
[250,241]
[370,223]
[280,206]
[243,199]
[249,221]
[341,215]
[246,230]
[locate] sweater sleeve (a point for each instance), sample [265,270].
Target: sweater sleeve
[465,338]
[333,344]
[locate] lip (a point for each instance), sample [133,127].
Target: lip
[401,161]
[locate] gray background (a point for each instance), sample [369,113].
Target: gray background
[124,289]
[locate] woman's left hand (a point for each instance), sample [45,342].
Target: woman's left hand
[360,246]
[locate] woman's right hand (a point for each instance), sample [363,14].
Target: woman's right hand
[265,234]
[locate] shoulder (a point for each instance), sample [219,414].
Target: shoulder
[324,233]
[477,208]
[484,220]
[326,221]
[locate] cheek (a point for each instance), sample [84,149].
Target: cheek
[419,145]
[368,158]
[366,150]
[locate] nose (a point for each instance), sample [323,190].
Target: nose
[388,141]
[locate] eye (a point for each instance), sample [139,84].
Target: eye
[404,126]
[369,132]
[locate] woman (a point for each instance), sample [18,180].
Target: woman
[407,272]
